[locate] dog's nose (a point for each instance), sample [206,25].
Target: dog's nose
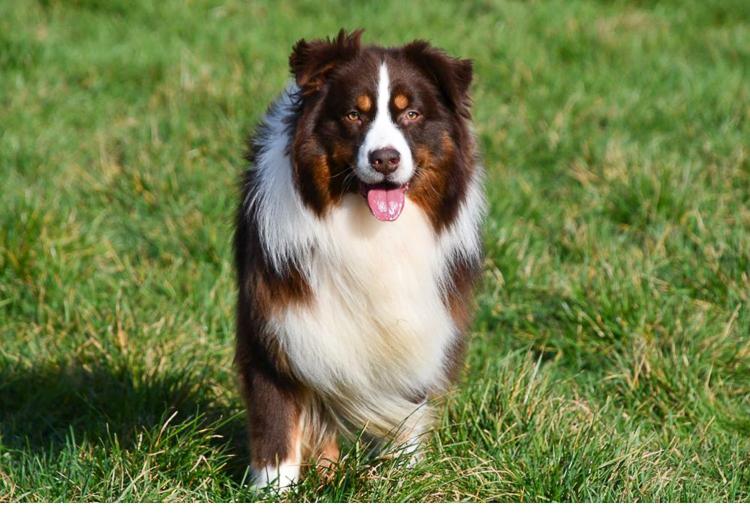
[385,160]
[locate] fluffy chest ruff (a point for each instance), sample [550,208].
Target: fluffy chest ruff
[357,247]
[376,328]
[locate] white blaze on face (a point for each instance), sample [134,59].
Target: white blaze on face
[384,133]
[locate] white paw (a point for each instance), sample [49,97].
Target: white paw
[280,477]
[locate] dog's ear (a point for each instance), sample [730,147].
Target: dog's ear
[451,75]
[312,61]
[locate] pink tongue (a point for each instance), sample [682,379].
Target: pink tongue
[386,204]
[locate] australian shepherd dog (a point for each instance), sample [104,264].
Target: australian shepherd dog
[357,247]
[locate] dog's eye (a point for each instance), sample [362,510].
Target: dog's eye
[412,115]
[353,116]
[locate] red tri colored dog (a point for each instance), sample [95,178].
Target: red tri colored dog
[357,248]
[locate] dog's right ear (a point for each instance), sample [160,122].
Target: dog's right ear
[312,61]
[451,75]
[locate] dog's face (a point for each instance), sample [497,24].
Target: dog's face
[387,123]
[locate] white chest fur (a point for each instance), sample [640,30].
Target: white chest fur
[377,323]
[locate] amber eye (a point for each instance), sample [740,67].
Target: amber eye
[412,115]
[352,116]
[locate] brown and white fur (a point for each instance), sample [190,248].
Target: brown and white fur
[351,313]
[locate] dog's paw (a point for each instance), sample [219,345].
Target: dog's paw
[279,478]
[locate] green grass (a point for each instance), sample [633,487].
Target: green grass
[610,358]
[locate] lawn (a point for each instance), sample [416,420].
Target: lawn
[610,356]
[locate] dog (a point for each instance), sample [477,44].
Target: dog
[357,247]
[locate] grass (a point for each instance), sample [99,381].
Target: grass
[610,357]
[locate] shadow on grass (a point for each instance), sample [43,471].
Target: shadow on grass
[40,408]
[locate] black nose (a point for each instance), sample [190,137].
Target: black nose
[385,160]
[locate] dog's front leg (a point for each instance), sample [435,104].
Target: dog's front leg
[273,408]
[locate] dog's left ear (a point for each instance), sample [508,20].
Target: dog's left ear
[312,61]
[451,75]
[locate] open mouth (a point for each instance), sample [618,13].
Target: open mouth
[385,199]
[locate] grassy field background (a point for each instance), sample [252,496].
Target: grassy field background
[610,358]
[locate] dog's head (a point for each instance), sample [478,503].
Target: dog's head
[387,123]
